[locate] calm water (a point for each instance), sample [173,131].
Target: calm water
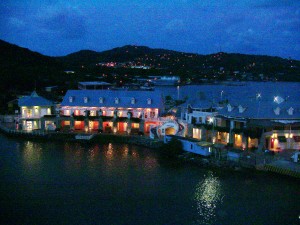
[267,90]
[70,183]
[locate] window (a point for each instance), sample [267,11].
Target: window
[241,109]
[116,100]
[85,99]
[71,99]
[229,108]
[277,111]
[101,100]
[290,111]
[67,112]
[152,114]
[149,101]
[132,101]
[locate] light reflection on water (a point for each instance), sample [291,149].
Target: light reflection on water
[73,183]
[208,197]
[107,158]
[32,154]
[73,156]
[93,154]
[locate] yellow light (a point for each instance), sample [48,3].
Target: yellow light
[291,135]
[286,135]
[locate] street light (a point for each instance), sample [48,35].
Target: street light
[222,96]
[211,120]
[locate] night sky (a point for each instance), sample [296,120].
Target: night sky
[265,27]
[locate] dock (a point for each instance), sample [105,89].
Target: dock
[284,167]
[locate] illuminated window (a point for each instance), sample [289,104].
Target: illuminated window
[66,123]
[85,99]
[149,101]
[116,100]
[67,112]
[36,111]
[152,114]
[101,100]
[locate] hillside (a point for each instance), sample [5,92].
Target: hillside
[22,69]
[189,66]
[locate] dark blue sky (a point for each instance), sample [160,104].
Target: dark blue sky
[265,27]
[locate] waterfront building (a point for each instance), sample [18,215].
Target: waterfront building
[198,114]
[94,85]
[36,112]
[161,80]
[257,123]
[252,123]
[111,110]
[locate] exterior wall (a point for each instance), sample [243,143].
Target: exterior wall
[31,118]
[150,116]
[147,113]
[35,112]
[199,117]
[279,140]
[191,146]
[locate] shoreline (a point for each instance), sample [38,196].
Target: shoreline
[105,138]
[71,137]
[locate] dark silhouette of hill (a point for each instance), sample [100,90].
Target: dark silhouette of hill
[22,69]
[219,65]
[121,54]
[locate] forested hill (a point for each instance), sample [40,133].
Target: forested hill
[187,65]
[22,69]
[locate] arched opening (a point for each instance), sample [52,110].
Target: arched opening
[170,131]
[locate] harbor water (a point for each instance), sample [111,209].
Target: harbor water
[76,183]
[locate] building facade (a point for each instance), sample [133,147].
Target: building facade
[111,110]
[35,113]
[256,123]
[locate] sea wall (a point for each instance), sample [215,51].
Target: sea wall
[70,136]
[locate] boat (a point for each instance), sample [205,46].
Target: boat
[84,136]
